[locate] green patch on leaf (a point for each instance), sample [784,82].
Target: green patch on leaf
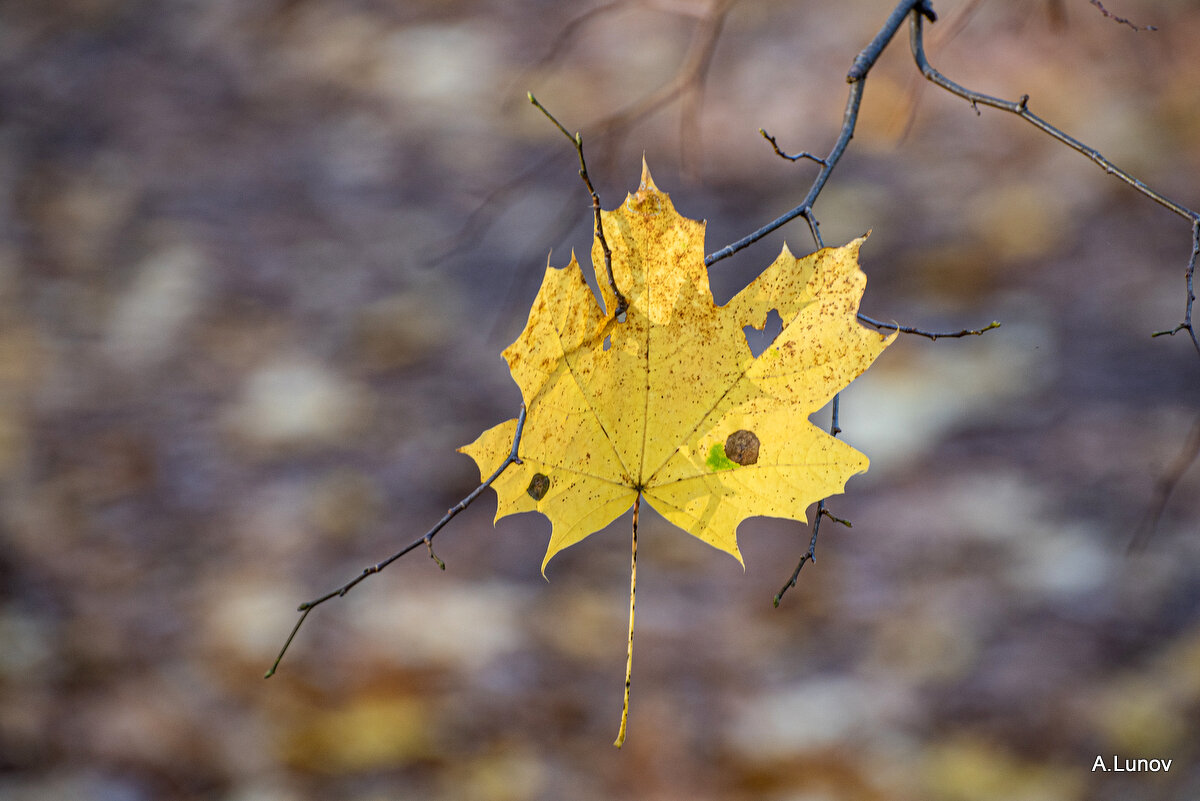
[717,460]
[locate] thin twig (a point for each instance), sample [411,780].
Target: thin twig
[1186,325]
[688,80]
[803,155]
[850,119]
[577,139]
[811,554]
[1121,20]
[934,335]
[426,540]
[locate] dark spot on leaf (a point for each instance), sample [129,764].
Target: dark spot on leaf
[539,485]
[742,447]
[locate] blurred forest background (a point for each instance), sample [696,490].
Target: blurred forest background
[258,259]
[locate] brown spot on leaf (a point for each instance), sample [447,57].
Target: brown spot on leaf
[539,485]
[742,447]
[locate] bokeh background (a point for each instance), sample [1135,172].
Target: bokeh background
[258,259]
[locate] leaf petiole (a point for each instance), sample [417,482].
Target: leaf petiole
[632,604]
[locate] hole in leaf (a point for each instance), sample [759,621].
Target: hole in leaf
[539,485]
[607,342]
[759,339]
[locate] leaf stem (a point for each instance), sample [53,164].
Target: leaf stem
[632,605]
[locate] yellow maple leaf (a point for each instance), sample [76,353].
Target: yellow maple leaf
[669,403]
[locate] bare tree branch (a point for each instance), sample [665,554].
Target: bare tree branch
[1020,107]
[917,12]
[856,77]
